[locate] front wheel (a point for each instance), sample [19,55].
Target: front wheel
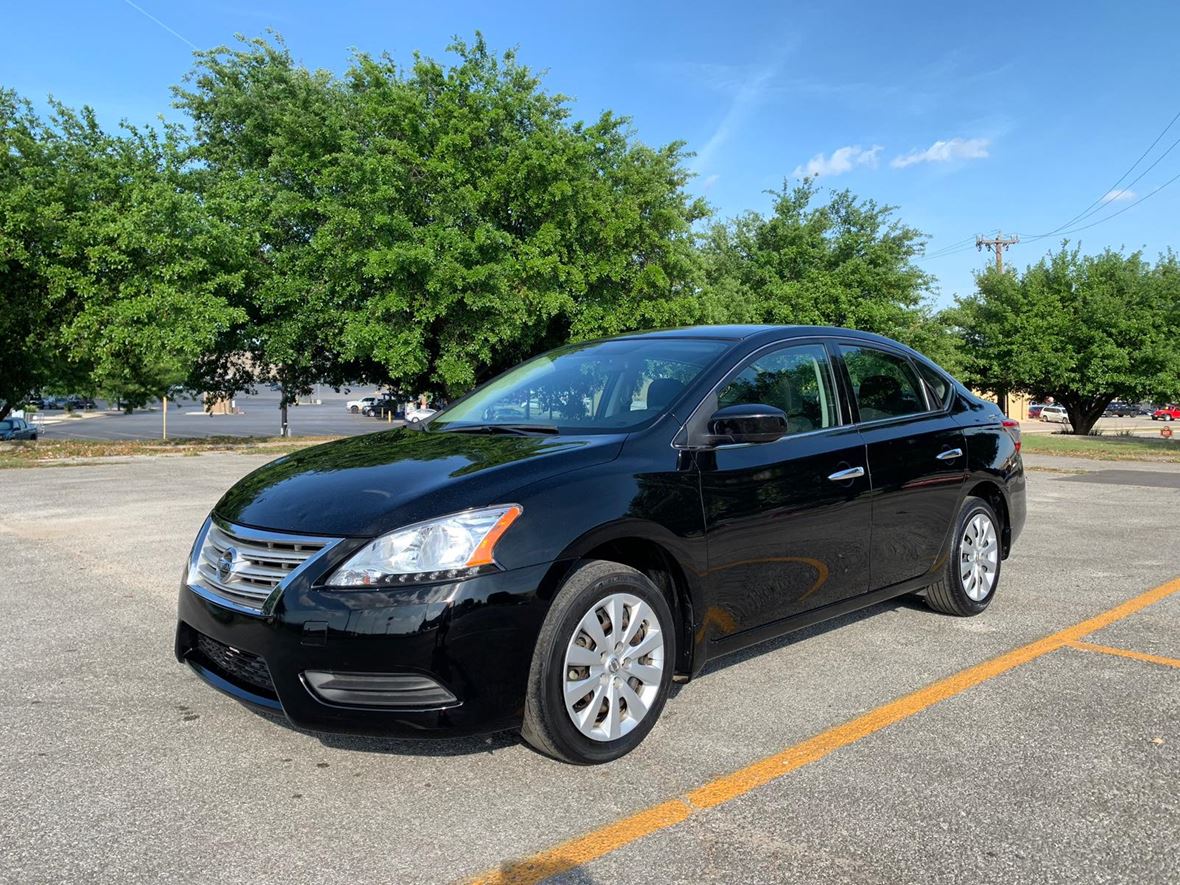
[972,571]
[602,666]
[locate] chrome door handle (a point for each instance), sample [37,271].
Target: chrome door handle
[950,455]
[849,473]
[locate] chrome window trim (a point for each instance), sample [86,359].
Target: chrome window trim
[261,536]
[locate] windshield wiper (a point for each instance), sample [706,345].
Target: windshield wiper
[515,429]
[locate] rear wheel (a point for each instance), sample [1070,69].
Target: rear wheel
[602,665]
[973,569]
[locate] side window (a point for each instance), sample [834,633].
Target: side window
[885,384]
[796,379]
[937,384]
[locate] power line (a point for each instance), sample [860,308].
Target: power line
[1098,202]
[951,248]
[1125,208]
[1083,216]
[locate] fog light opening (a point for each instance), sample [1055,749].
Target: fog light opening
[405,690]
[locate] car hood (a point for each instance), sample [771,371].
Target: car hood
[366,485]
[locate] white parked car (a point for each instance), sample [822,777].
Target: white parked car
[1055,414]
[359,405]
[416,414]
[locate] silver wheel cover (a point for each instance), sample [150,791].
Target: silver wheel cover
[613,666]
[979,557]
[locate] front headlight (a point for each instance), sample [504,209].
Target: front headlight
[454,546]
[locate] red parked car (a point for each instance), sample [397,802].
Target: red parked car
[1170,412]
[1034,410]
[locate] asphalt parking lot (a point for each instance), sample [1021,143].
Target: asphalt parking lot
[894,745]
[258,416]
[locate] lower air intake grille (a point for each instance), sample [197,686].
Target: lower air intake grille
[236,665]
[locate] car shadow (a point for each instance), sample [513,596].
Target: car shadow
[718,664]
[428,746]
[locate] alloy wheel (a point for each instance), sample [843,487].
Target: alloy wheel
[979,557]
[613,667]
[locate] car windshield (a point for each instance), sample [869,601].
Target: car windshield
[600,387]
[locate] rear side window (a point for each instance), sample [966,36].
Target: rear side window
[936,383]
[796,379]
[885,385]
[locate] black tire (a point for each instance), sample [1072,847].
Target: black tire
[354,409]
[547,724]
[948,596]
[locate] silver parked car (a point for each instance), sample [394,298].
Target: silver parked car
[1055,414]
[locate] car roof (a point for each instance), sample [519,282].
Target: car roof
[738,332]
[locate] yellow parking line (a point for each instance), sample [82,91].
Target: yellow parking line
[1126,653]
[597,843]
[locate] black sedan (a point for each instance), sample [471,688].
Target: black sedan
[17,428]
[650,502]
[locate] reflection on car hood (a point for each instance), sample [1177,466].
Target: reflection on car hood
[367,485]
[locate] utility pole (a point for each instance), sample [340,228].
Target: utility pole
[996,244]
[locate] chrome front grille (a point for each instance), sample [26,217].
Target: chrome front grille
[242,567]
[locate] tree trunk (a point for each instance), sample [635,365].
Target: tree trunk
[5,410]
[284,430]
[1084,411]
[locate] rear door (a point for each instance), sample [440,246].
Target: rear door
[787,522]
[916,460]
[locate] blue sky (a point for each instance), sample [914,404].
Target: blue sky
[966,117]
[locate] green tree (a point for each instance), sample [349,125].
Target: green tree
[845,262]
[1083,329]
[24,290]
[264,131]
[150,272]
[469,223]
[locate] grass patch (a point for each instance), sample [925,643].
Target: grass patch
[1103,448]
[70,452]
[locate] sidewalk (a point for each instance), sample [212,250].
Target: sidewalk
[1089,465]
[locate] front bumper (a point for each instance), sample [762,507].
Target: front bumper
[474,638]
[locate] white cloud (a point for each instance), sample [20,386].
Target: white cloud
[1118,196]
[709,181]
[842,160]
[945,152]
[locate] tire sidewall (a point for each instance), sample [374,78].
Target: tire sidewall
[972,507]
[564,733]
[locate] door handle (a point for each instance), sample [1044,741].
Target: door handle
[950,455]
[847,474]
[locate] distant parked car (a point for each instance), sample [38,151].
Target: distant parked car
[416,415]
[379,408]
[1170,412]
[47,403]
[359,405]
[1034,410]
[17,428]
[1055,414]
[1121,410]
[80,402]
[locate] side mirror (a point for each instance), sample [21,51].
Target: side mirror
[747,423]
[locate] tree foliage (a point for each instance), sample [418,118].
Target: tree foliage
[1085,330]
[845,262]
[423,226]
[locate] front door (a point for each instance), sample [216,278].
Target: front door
[787,522]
